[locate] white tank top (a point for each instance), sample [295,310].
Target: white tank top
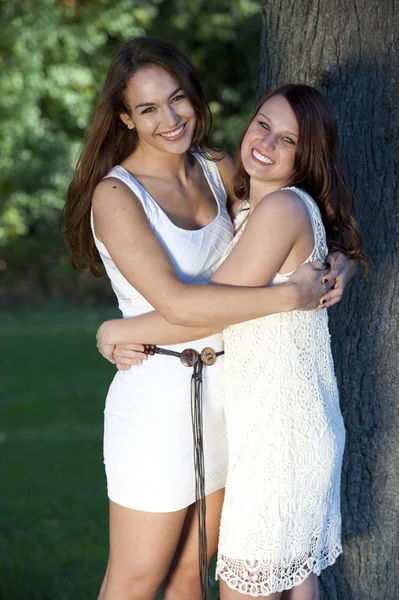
[194,253]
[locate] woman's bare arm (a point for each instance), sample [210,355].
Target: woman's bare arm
[342,269]
[268,240]
[121,224]
[115,337]
[153,326]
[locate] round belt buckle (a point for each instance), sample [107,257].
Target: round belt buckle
[189,357]
[208,357]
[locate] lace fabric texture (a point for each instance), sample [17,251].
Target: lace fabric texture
[281,516]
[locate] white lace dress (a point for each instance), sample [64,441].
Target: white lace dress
[281,516]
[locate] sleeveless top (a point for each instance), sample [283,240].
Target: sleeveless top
[194,253]
[281,514]
[320,249]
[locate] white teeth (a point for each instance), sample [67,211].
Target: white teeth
[174,133]
[262,158]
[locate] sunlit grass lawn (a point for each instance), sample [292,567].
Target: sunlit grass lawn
[53,505]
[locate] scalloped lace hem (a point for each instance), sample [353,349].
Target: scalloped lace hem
[262,580]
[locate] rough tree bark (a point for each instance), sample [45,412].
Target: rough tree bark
[349,49]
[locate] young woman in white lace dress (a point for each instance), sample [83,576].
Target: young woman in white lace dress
[281,516]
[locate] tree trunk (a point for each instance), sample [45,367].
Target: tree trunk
[349,49]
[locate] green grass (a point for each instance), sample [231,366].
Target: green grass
[53,504]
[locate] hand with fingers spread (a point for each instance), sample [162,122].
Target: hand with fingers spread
[342,271]
[312,283]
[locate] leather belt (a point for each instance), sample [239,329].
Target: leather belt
[196,360]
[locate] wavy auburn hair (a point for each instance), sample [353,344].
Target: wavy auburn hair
[108,141]
[317,167]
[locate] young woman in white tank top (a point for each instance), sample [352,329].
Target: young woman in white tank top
[155,198]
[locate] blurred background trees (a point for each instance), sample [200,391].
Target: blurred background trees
[54,55]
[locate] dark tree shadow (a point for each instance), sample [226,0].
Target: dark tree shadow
[365,332]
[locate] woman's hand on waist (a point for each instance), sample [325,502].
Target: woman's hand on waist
[129,355]
[122,355]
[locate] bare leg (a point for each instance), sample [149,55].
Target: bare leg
[183,579]
[103,585]
[142,545]
[308,590]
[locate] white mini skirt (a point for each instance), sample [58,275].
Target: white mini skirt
[148,440]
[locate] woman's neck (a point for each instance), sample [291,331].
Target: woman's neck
[150,161]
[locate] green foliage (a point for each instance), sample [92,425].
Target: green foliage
[55,54]
[53,497]
[222,39]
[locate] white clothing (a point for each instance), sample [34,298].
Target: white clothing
[148,440]
[281,516]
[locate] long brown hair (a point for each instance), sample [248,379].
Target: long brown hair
[108,141]
[317,167]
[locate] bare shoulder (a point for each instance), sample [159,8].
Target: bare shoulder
[225,165]
[111,193]
[283,204]
[117,209]
[282,210]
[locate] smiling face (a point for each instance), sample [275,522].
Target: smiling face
[161,112]
[269,145]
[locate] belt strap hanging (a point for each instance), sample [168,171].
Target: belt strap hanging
[191,358]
